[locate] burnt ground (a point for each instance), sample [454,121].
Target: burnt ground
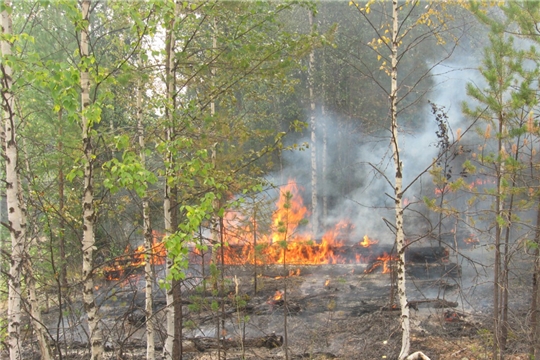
[333,312]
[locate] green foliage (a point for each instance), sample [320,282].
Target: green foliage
[127,173]
[214,306]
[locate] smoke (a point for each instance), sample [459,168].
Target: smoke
[359,173]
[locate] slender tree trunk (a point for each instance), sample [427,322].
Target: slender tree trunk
[30,280]
[169,200]
[61,202]
[285,306]
[255,250]
[499,205]
[324,171]
[535,323]
[169,310]
[148,238]
[89,215]
[176,286]
[35,313]
[398,188]
[313,144]
[507,257]
[221,318]
[17,226]
[324,130]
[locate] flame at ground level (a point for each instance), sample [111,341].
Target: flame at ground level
[133,259]
[290,240]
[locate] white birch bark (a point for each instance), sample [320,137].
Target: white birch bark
[148,239]
[169,309]
[89,216]
[324,170]
[313,143]
[324,131]
[35,314]
[169,113]
[17,226]
[16,216]
[398,191]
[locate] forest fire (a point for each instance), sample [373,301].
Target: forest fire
[278,295]
[290,241]
[383,261]
[287,241]
[123,265]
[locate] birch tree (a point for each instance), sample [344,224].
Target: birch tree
[398,188]
[16,226]
[169,202]
[408,26]
[16,207]
[313,142]
[147,231]
[89,117]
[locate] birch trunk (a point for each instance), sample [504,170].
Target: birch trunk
[324,130]
[167,206]
[17,226]
[313,144]
[35,313]
[169,309]
[30,280]
[61,201]
[398,191]
[148,238]
[89,215]
[324,164]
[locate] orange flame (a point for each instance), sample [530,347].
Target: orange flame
[290,240]
[278,295]
[135,259]
[471,240]
[383,261]
[368,242]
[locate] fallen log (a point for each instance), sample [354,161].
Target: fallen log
[417,270]
[314,356]
[317,253]
[413,304]
[199,344]
[436,303]
[205,343]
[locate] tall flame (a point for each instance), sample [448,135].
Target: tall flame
[290,241]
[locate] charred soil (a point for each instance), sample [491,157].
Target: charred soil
[333,312]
